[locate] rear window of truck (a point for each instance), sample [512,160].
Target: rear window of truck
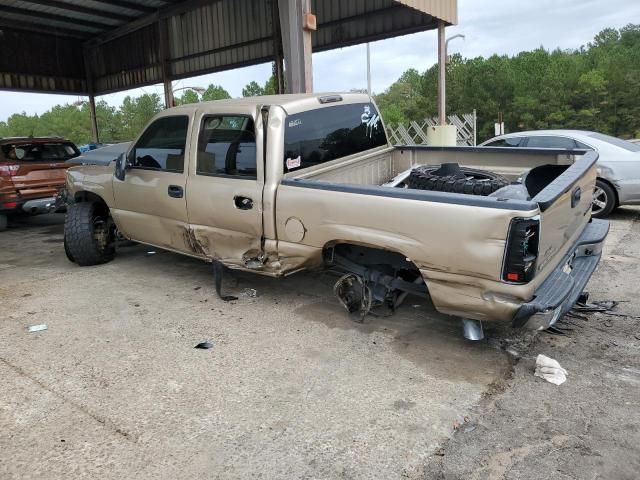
[39,152]
[322,135]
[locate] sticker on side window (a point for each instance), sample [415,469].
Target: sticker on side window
[294,163]
[295,123]
[371,121]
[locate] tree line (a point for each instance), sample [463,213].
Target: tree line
[595,87]
[115,124]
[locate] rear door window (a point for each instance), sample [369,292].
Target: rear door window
[162,145]
[551,142]
[319,136]
[227,147]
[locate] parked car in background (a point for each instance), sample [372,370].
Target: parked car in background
[32,173]
[618,164]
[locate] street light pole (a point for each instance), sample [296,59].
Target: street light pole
[443,46]
[442,71]
[199,90]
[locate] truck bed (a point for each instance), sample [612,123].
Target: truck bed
[380,167]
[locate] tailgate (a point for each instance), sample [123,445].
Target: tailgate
[565,206]
[37,179]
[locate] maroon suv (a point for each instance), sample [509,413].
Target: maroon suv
[32,173]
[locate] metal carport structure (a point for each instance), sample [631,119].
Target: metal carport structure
[94,47]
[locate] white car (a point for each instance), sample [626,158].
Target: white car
[618,164]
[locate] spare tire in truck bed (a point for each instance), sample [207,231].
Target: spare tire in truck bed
[450,177]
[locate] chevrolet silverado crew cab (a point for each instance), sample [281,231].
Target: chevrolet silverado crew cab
[32,172]
[279,184]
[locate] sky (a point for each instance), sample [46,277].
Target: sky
[490,27]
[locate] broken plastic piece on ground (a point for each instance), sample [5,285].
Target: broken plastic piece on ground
[251,292]
[550,370]
[204,345]
[38,328]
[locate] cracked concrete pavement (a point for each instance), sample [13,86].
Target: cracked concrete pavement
[292,388]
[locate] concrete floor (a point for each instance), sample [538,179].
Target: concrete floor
[291,389]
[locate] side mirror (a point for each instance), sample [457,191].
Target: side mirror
[121,167]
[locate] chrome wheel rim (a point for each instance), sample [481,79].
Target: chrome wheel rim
[599,200]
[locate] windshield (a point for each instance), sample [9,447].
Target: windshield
[630,147]
[39,152]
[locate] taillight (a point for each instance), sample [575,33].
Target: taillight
[522,250]
[8,170]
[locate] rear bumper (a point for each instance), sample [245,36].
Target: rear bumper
[35,206]
[40,205]
[560,291]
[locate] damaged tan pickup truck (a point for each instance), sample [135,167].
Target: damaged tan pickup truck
[276,185]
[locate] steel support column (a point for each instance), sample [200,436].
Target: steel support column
[95,134]
[163,39]
[278,54]
[296,24]
[442,75]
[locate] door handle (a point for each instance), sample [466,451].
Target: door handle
[175,191]
[242,203]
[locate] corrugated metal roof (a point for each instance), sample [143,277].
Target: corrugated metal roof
[446,10]
[122,37]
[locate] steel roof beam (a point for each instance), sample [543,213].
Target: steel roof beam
[71,22]
[72,7]
[128,5]
[43,29]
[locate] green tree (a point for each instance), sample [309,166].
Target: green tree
[252,89]
[215,92]
[188,96]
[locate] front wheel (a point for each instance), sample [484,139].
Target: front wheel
[604,200]
[3,223]
[89,234]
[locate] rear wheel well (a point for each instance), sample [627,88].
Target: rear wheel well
[371,257]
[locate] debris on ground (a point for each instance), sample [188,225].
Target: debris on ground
[602,307]
[151,252]
[550,370]
[38,328]
[218,273]
[251,292]
[204,345]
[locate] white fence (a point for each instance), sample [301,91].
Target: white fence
[415,133]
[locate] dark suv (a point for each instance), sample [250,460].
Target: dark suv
[32,173]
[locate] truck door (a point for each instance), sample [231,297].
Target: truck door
[150,203]
[224,188]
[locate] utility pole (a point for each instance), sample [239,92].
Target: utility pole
[369,70]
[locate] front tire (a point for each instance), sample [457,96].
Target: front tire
[3,223]
[604,200]
[89,234]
